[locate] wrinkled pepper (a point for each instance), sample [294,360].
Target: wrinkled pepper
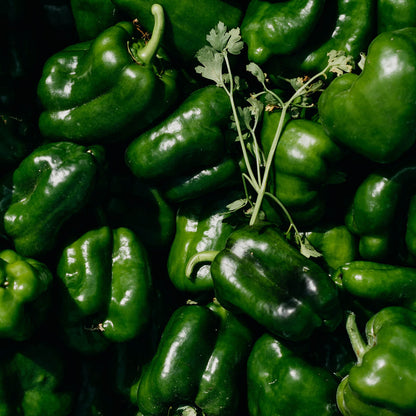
[372,113]
[382,382]
[260,274]
[278,28]
[186,150]
[202,225]
[49,186]
[304,164]
[280,382]
[345,25]
[25,286]
[378,211]
[200,363]
[187,22]
[107,89]
[106,288]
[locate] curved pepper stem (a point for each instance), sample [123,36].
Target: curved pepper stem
[357,342]
[202,257]
[147,53]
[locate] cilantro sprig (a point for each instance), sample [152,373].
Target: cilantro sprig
[215,66]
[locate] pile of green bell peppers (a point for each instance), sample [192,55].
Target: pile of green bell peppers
[132,278]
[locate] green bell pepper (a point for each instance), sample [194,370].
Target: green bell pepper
[393,15]
[188,22]
[282,383]
[185,152]
[270,28]
[345,25]
[379,284]
[202,225]
[382,382]
[106,288]
[378,212]
[372,113]
[200,362]
[94,16]
[107,89]
[49,186]
[259,273]
[304,164]
[24,295]
[32,380]
[336,243]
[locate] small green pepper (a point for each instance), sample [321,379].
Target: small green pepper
[106,287]
[382,382]
[279,382]
[24,295]
[393,14]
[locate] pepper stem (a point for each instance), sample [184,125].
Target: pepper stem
[202,257]
[357,342]
[147,53]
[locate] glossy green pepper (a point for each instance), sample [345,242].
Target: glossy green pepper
[304,164]
[382,382]
[345,25]
[372,113]
[24,295]
[188,22]
[379,283]
[94,16]
[393,15]
[49,186]
[106,288]
[336,244]
[270,28]
[378,212]
[190,143]
[202,225]
[107,89]
[259,273]
[200,362]
[279,382]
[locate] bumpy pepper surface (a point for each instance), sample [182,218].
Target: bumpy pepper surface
[281,383]
[106,289]
[24,295]
[382,382]
[108,89]
[261,274]
[200,362]
[372,113]
[49,186]
[270,28]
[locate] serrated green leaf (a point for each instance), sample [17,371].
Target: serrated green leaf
[234,44]
[255,70]
[212,63]
[218,37]
[237,205]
